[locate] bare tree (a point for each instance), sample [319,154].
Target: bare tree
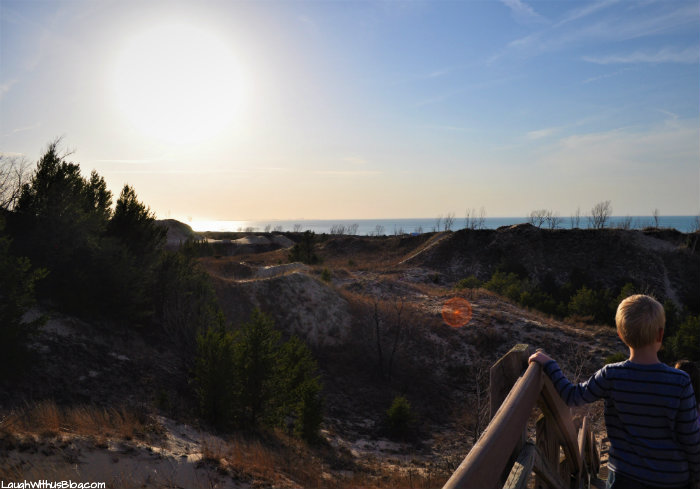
[398,326]
[338,229]
[656,216]
[479,402]
[474,220]
[481,220]
[576,218]
[297,228]
[538,217]
[14,172]
[378,230]
[600,214]
[378,326]
[268,228]
[553,220]
[352,229]
[626,223]
[468,218]
[438,222]
[449,221]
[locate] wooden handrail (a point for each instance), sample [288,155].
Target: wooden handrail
[496,443]
[499,449]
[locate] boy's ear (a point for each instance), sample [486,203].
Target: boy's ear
[660,335]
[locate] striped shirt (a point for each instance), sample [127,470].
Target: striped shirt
[650,415]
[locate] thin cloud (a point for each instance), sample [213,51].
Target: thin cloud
[611,26]
[543,133]
[523,13]
[473,86]
[583,12]
[604,76]
[668,55]
[23,129]
[6,87]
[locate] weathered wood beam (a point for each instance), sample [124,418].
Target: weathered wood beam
[547,473]
[482,467]
[561,414]
[522,468]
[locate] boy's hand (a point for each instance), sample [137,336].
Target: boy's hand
[539,357]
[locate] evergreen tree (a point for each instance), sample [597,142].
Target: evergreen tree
[214,375]
[17,280]
[59,220]
[256,351]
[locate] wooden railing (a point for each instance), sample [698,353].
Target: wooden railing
[560,456]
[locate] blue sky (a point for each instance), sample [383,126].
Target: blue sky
[363,109]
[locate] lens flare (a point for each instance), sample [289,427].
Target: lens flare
[457,312]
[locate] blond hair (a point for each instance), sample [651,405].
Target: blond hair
[639,319]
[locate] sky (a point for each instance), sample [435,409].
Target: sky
[331,109]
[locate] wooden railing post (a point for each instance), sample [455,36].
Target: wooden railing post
[513,396]
[504,373]
[502,377]
[484,462]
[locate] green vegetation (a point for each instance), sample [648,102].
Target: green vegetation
[17,281]
[326,275]
[581,300]
[684,343]
[471,282]
[108,263]
[100,262]
[400,417]
[251,378]
[616,357]
[303,251]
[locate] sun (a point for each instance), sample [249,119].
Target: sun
[178,83]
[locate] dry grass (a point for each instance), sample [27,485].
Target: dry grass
[395,479]
[274,463]
[47,419]
[286,462]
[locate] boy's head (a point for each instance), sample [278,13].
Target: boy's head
[639,319]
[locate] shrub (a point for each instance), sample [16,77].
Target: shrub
[616,357]
[185,303]
[299,389]
[303,251]
[399,417]
[326,275]
[471,282]
[251,378]
[256,351]
[215,377]
[685,343]
[592,304]
[507,284]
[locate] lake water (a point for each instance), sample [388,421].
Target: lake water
[403,226]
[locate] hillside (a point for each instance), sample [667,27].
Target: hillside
[371,313]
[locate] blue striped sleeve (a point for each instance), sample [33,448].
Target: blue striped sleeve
[592,390]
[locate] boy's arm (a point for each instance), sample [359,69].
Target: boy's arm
[572,394]
[688,431]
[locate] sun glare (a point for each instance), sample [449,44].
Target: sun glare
[178,83]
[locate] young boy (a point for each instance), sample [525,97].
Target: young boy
[650,411]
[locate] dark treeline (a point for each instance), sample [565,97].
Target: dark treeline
[67,245]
